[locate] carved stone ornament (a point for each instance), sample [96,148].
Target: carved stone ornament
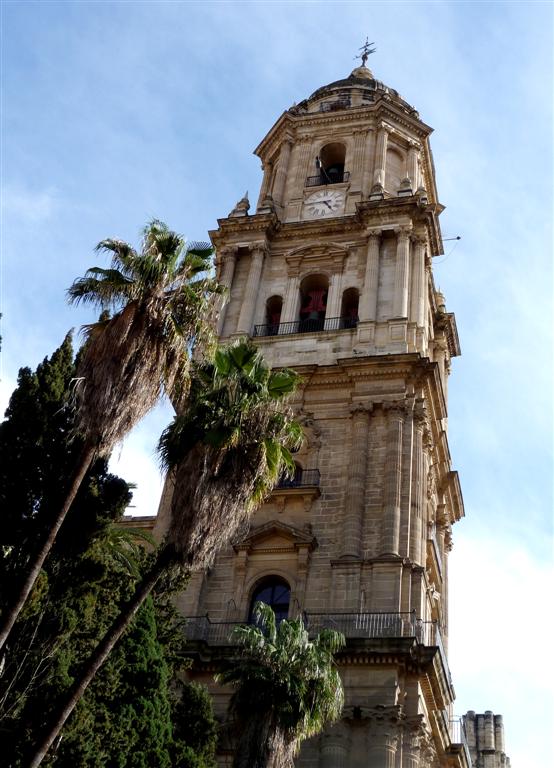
[241,208]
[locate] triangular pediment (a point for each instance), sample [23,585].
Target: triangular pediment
[276,535]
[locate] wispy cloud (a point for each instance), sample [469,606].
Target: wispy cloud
[28,205]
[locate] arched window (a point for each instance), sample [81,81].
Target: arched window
[313,303]
[331,163]
[349,308]
[273,308]
[272,591]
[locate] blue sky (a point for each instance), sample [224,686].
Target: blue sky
[116,112]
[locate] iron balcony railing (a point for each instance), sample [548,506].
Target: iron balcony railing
[458,735]
[302,478]
[352,625]
[435,544]
[306,326]
[322,180]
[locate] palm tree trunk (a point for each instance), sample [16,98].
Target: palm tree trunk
[12,612]
[99,656]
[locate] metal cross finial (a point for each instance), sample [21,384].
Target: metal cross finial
[366,50]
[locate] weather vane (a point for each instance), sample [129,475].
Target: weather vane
[366,50]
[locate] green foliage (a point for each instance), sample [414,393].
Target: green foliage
[195,728]
[285,682]
[126,718]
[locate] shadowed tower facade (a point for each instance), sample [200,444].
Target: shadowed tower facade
[331,274]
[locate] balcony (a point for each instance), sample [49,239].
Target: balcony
[322,180]
[458,738]
[303,478]
[354,626]
[318,325]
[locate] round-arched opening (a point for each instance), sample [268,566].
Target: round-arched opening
[273,591]
[273,308]
[313,303]
[331,158]
[349,308]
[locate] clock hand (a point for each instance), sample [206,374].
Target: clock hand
[327,204]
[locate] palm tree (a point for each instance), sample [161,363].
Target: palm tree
[287,688]
[225,452]
[161,303]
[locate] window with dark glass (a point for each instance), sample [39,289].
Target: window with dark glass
[274,592]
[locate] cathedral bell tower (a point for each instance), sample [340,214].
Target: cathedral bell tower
[332,275]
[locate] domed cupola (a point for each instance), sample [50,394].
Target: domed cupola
[359,89]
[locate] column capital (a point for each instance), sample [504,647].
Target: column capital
[258,247]
[360,410]
[395,408]
[374,233]
[382,126]
[418,239]
[403,232]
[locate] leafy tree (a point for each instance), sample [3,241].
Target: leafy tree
[287,688]
[161,303]
[128,715]
[226,451]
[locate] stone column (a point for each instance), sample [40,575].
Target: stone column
[412,737]
[334,297]
[266,181]
[228,260]
[281,172]
[304,156]
[393,479]
[416,512]
[381,746]
[251,290]
[380,157]
[289,310]
[413,157]
[367,309]
[366,170]
[358,159]
[334,747]
[357,474]
[402,272]
[417,303]
[498,733]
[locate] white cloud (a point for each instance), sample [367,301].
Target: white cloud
[501,625]
[29,206]
[136,461]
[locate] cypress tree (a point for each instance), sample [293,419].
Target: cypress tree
[127,716]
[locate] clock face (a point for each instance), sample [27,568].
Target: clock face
[325,202]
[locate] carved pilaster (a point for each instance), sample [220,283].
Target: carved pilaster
[383,736]
[402,272]
[281,172]
[380,160]
[396,412]
[225,270]
[251,290]
[355,495]
[267,169]
[413,735]
[368,300]
[417,498]
[334,747]
[417,303]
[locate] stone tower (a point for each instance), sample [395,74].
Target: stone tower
[485,738]
[331,274]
